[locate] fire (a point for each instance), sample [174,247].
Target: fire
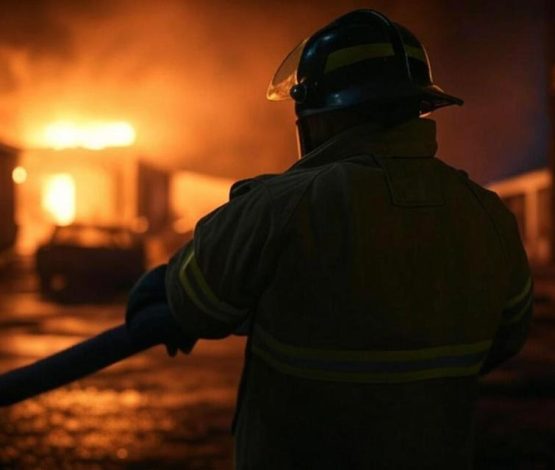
[58,198]
[93,136]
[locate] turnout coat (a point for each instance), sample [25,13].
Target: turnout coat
[375,283]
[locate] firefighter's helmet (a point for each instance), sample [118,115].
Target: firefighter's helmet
[361,57]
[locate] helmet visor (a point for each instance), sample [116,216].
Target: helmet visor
[286,75]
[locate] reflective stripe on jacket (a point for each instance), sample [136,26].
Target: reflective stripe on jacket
[376,283]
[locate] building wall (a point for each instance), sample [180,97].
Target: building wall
[528,197]
[153,197]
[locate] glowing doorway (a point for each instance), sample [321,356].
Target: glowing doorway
[58,198]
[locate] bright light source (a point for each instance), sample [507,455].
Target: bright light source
[58,198]
[92,136]
[19,175]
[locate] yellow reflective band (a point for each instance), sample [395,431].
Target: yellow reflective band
[371,366]
[373,355]
[209,293]
[204,298]
[516,299]
[416,53]
[186,285]
[352,55]
[520,314]
[367,377]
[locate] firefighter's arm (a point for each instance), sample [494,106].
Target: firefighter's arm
[517,312]
[147,302]
[214,282]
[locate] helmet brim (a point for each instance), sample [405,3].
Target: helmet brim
[439,98]
[432,97]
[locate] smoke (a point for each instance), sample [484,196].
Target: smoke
[493,54]
[191,76]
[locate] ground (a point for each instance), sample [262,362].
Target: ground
[155,412]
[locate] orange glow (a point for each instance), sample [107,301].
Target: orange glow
[58,198]
[19,175]
[140,225]
[182,225]
[93,136]
[194,195]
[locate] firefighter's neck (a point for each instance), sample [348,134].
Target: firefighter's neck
[314,130]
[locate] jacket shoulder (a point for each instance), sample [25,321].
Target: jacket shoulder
[502,217]
[279,186]
[486,196]
[278,195]
[241,187]
[489,198]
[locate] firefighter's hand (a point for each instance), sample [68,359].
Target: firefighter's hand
[148,313]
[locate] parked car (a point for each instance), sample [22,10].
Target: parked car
[88,262]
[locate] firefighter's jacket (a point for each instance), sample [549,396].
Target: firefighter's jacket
[377,283]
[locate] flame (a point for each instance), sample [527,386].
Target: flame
[58,198]
[93,136]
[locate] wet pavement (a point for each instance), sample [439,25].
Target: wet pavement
[149,412]
[155,412]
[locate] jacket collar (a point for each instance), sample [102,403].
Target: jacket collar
[415,138]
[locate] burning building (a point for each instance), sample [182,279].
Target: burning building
[78,176]
[108,185]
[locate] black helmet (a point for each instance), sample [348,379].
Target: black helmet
[361,57]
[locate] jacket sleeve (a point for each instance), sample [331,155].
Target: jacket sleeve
[517,312]
[214,282]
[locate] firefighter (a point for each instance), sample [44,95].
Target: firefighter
[375,282]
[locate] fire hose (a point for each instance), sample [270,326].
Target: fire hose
[87,357]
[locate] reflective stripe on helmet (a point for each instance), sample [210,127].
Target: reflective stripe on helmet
[193,282]
[351,55]
[519,305]
[458,360]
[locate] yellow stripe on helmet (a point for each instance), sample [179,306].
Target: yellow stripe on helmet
[352,55]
